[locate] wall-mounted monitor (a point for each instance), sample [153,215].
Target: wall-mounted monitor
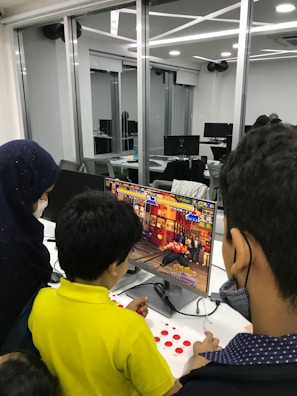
[70,183]
[185,145]
[105,126]
[176,244]
[217,130]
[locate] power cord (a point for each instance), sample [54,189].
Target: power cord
[162,293]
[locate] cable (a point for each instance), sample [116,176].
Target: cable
[217,266]
[159,288]
[135,287]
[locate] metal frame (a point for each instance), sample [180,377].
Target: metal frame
[246,14]
[22,82]
[143,89]
[72,65]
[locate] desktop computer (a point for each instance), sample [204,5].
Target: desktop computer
[176,244]
[217,131]
[181,145]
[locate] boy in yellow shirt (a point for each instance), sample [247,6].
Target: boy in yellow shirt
[92,345]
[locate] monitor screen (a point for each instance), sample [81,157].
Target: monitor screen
[247,128]
[70,183]
[228,144]
[217,130]
[132,127]
[105,126]
[181,145]
[176,244]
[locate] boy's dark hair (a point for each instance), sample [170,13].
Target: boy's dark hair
[94,230]
[259,188]
[24,374]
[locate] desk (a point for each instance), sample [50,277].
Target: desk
[225,323]
[127,162]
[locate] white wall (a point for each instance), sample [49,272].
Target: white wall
[213,98]
[101,97]
[271,88]
[10,115]
[48,94]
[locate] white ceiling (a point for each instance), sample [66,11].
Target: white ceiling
[176,13]
[173,14]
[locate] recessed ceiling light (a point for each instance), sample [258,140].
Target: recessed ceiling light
[235,45]
[174,53]
[285,8]
[224,54]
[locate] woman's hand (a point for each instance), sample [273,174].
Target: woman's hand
[139,305]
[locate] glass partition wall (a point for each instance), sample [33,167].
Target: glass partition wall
[83,99]
[272,74]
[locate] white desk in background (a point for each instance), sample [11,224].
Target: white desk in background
[155,164]
[225,323]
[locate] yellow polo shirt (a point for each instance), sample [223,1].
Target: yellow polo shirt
[94,346]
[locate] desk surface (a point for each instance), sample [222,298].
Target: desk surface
[225,323]
[127,161]
[157,163]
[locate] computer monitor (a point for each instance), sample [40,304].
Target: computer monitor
[132,127]
[217,130]
[218,152]
[247,128]
[184,145]
[70,183]
[105,126]
[228,144]
[168,247]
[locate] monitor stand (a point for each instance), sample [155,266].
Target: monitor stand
[178,296]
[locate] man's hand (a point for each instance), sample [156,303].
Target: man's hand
[209,344]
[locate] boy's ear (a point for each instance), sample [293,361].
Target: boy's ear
[242,252]
[112,270]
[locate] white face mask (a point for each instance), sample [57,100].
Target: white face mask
[41,205]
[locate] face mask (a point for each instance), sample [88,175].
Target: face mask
[237,299]
[42,204]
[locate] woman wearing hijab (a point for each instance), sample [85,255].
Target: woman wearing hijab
[27,174]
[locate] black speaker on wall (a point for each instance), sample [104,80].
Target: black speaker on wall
[56,30]
[220,67]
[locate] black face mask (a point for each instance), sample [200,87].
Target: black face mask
[238,299]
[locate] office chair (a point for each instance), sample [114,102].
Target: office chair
[73,166]
[104,167]
[190,188]
[214,168]
[162,184]
[218,152]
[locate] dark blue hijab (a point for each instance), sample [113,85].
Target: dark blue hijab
[26,172]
